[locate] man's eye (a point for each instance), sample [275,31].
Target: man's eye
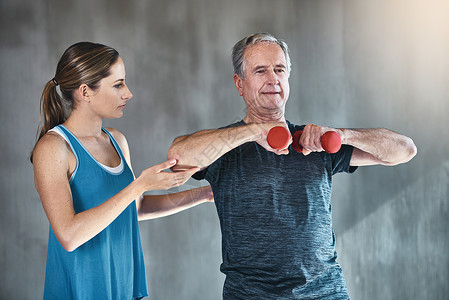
[117,86]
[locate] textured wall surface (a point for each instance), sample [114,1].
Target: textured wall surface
[378,63]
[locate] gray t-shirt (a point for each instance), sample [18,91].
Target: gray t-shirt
[275,217]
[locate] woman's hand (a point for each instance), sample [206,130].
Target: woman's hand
[155,178]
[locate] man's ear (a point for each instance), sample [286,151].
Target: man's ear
[238,84]
[84,92]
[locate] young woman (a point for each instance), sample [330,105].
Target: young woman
[84,178]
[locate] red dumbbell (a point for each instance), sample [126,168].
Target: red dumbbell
[278,137]
[330,141]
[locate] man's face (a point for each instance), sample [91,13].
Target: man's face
[265,86]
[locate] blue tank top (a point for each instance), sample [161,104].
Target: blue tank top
[111,264]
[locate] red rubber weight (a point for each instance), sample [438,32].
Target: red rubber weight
[278,137]
[295,144]
[330,141]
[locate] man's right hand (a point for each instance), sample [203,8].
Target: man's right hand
[203,147]
[263,139]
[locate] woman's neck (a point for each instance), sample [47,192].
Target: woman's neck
[83,125]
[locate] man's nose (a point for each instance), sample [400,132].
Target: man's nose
[272,78]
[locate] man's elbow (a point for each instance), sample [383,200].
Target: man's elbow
[176,152]
[412,150]
[409,151]
[186,157]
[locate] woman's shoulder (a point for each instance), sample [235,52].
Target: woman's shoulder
[52,146]
[51,140]
[118,136]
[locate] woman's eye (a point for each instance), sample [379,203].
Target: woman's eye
[118,85]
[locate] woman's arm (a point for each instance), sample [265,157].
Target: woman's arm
[51,163]
[156,206]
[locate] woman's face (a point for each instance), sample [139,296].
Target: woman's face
[110,98]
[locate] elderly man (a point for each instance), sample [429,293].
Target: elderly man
[274,205]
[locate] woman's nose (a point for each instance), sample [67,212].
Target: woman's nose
[127,95]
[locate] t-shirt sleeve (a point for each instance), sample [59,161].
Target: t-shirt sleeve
[342,159]
[211,173]
[200,175]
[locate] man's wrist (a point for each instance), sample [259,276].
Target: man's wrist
[258,131]
[346,135]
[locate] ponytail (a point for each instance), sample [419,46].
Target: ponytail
[51,109]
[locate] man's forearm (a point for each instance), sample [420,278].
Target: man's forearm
[384,146]
[202,148]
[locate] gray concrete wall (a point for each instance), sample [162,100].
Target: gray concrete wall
[378,63]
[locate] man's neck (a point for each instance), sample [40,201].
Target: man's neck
[264,119]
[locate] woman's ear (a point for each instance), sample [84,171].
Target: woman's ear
[83,93]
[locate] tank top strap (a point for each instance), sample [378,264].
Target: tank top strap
[114,142]
[73,142]
[74,145]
